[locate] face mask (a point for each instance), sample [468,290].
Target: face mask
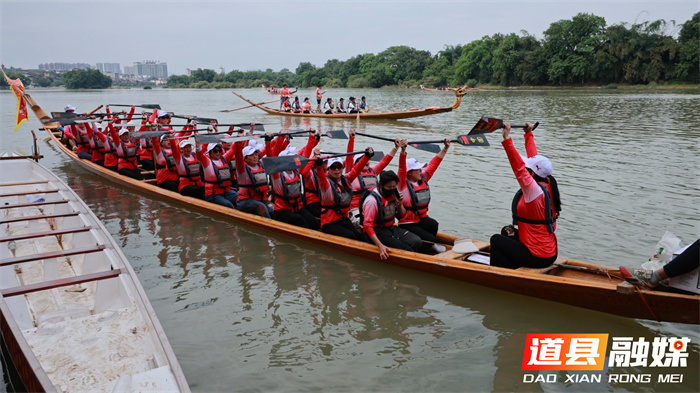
[385,193]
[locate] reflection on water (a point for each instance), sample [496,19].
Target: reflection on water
[249,311]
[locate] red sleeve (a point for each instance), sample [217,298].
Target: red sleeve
[115,136]
[432,167]
[530,146]
[530,188]
[383,163]
[230,153]
[68,131]
[238,149]
[369,213]
[403,173]
[155,141]
[349,159]
[357,169]
[309,148]
[202,157]
[131,113]
[323,179]
[175,147]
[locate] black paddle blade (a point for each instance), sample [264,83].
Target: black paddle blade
[284,163]
[472,140]
[64,115]
[485,125]
[378,155]
[147,106]
[246,126]
[337,134]
[426,147]
[148,134]
[216,138]
[197,118]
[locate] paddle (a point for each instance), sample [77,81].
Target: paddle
[427,146]
[490,124]
[199,119]
[337,134]
[249,106]
[224,137]
[148,134]
[147,106]
[378,155]
[464,140]
[295,162]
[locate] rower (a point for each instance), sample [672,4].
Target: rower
[217,175]
[328,106]
[252,179]
[127,154]
[352,105]
[306,106]
[104,143]
[336,195]
[96,145]
[77,136]
[380,209]
[534,244]
[296,106]
[364,106]
[167,176]
[287,194]
[190,182]
[340,108]
[413,184]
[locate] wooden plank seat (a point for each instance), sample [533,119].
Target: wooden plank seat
[61,282]
[28,193]
[52,254]
[38,217]
[543,270]
[150,181]
[34,235]
[26,183]
[29,204]
[449,254]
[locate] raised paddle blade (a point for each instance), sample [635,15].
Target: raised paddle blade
[213,138]
[472,140]
[485,125]
[337,134]
[148,134]
[64,115]
[378,155]
[433,148]
[197,118]
[284,163]
[147,106]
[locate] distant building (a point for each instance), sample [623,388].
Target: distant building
[152,69]
[129,70]
[221,71]
[107,68]
[188,72]
[63,66]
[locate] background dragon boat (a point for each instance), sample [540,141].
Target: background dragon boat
[576,283]
[396,115]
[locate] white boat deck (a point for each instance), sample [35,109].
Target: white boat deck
[98,335]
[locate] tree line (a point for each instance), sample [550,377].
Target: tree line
[577,52]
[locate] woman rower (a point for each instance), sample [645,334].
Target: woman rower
[217,175]
[166,175]
[367,180]
[535,244]
[336,195]
[413,184]
[127,153]
[288,196]
[188,169]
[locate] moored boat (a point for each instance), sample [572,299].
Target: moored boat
[568,281]
[396,115]
[73,313]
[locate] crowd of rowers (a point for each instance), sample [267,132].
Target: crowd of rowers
[287,104]
[343,196]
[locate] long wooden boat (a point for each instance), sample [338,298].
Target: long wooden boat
[434,110]
[432,89]
[73,314]
[569,281]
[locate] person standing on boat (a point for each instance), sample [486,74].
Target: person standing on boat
[328,106]
[364,106]
[166,175]
[319,97]
[381,207]
[190,182]
[367,180]
[340,108]
[336,195]
[535,245]
[285,94]
[352,105]
[217,175]
[413,184]
[252,179]
[127,154]
[288,196]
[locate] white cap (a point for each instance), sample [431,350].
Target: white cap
[131,124]
[68,108]
[123,131]
[334,160]
[540,165]
[357,157]
[289,151]
[186,142]
[163,113]
[211,146]
[162,137]
[255,144]
[412,164]
[248,150]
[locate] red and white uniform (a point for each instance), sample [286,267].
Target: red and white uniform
[421,190]
[332,208]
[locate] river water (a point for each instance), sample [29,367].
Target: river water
[247,310]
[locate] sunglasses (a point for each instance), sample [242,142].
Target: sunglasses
[216,150]
[337,167]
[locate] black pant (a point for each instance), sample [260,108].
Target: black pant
[302,218]
[426,229]
[510,253]
[343,227]
[397,237]
[193,191]
[689,260]
[100,162]
[132,173]
[147,164]
[169,185]
[114,168]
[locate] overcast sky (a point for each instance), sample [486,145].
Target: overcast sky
[252,35]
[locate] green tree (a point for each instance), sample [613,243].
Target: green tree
[86,79]
[688,67]
[476,61]
[202,75]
